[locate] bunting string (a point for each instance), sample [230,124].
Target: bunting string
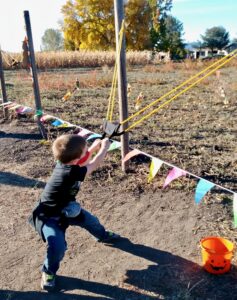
[203,185]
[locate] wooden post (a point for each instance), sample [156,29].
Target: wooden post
[38,106]
[122,79]
[3,86]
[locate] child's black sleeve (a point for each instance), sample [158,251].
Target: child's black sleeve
[78,173]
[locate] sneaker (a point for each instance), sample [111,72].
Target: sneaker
[109,237]
[47,282]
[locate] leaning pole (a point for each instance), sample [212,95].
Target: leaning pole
[122,79]
[38,106]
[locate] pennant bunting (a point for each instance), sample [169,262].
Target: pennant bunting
[115,145]
[131,154]
[38,113]
[46,118]
[57,123]
[156,163]
[63,125]
[94,136]
[10,105]
[202,188]
[203,185]
[5,103]
[20,109]
[84,132]
[235,209]
[26,110]
[173,174]
[15,107]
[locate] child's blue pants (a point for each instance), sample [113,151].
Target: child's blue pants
[55,238]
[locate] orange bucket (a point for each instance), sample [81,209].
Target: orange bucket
[217,253]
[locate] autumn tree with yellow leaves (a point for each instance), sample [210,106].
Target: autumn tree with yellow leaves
[89,24]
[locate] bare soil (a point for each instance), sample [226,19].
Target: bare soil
[158,256]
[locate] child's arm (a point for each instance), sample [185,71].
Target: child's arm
[92,149]
[94,163]
[95,146]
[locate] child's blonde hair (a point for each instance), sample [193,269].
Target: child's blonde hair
[68,147]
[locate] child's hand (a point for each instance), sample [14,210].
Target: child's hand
[95,145]
[105,143]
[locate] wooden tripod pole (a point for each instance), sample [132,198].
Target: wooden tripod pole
[122,78]
[38,106]
[3,86]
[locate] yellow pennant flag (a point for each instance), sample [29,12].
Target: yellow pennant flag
[156,163]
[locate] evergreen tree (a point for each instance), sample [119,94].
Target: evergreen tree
[170,39]
[216,38]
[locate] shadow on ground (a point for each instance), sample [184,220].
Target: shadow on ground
[20,136]
[9,178]
[174,277]
[171,277]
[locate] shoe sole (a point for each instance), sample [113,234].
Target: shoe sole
[47,288]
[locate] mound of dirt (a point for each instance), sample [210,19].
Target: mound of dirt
[158,256]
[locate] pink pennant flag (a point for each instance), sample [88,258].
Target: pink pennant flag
[84,132]
[131,154]
[26,110]
[46,118]
[19,110]
[173,174]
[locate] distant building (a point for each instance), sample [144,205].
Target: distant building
[162,56]
[205,52]
[200,53]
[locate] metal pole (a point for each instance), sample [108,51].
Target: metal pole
[3,86]
[38,106]
[122,79]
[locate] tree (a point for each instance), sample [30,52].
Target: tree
[52,40]
[216,38]
[197,44]
[88,24]
[170,38]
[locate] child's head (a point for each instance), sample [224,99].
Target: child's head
[68,147]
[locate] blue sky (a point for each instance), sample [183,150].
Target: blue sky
[196,16]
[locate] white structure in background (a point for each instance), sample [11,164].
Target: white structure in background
[200,53]
[162,56]
[203,53]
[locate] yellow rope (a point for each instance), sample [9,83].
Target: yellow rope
[114,81]
[112,94]
[176,88]
[180,93]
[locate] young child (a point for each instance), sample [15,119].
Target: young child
[57,207]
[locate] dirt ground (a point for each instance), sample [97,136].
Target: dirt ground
[158,256]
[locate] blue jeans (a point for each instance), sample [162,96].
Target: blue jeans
[55,238]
